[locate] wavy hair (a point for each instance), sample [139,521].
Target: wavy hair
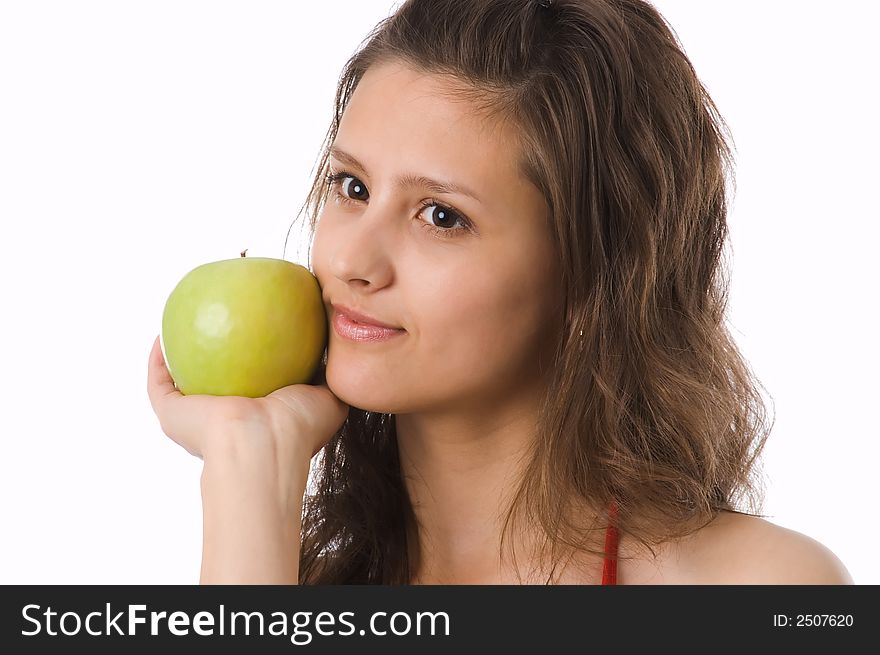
[651,408]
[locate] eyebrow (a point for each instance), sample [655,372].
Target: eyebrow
[410,180]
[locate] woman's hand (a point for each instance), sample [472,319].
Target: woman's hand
[300,416]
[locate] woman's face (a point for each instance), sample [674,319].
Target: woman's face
[473,281]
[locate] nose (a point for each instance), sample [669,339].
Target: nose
[363,243]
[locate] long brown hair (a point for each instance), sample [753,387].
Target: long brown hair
[651,405]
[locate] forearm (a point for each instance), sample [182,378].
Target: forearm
[251,521]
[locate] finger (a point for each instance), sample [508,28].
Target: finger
[182,423]
[159,382]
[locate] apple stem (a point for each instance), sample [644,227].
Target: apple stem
[243,252]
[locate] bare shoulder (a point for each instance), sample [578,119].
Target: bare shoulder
[741,549]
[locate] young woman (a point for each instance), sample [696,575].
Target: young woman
[517,225]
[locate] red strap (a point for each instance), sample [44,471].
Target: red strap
[609,570]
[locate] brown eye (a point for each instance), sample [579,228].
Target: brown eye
[442,216]
[354,188]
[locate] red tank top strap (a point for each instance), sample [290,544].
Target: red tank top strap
[609,568]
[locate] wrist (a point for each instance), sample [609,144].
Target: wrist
[252,465]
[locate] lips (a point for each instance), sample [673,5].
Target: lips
[362,332]
[362,318]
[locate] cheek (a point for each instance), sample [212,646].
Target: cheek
[483,317]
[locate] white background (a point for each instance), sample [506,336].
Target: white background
[141,139]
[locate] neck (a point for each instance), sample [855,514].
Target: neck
[461,476]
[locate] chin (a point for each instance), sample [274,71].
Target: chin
[357,393]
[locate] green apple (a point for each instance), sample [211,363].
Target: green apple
[244,327]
